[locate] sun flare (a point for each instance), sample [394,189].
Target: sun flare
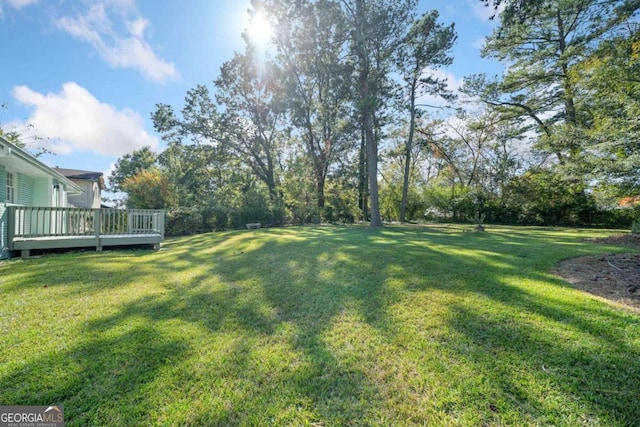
[260,29]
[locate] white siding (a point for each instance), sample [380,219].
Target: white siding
[90,198]
[3,216]
[4,244]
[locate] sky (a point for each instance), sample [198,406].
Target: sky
[85,75]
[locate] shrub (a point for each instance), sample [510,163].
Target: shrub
[184,221]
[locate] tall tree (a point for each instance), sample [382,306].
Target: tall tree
[510,10]
[424,50]
[378,28]
[542,46]
[310,38]
[251,121]
[611,76]
[247,132]
[194,157]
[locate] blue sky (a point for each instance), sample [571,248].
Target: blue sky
[87,74]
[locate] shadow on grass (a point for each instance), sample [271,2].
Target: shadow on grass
[101,381]
[306,325]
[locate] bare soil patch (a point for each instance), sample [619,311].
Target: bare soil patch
[614,277]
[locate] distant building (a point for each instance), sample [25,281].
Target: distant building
[92,184]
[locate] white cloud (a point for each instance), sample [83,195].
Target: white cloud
[123,5]
[453,84]
[485,13]
[15,4]
[137,27]
[127,48]
[106,174]
[479,43]
[75,120]
[19,4]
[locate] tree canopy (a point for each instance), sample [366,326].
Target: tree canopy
[327,122]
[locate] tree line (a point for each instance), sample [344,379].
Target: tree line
[327,123]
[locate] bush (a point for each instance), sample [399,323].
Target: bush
[613,218]
[184,221]
[253,207]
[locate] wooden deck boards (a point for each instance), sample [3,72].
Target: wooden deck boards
[68,242]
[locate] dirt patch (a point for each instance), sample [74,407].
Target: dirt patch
[615,277]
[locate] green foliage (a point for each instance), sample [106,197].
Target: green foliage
[149,189]
[570,79]
[299,192]
[295,135]
[501,211]
[310,39]
[247,90]
[537,197]
[452,202]
[547,198]
[390,202]
[342,197]
[129,166]
[182,221]
[426,47]
[378,29]
[513,10]
[635,211]
[251,207]
[610,74]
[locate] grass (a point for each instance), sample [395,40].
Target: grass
[327,326]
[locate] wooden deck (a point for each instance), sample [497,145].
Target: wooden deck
[47,228]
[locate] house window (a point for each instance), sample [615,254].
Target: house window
[11,189]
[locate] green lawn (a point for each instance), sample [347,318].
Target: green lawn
[325,326]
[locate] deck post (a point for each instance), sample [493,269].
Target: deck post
[129,223]
[97,228]
[11,226]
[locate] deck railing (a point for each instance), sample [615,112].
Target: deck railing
[34,222]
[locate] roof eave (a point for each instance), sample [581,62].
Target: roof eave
[11,149]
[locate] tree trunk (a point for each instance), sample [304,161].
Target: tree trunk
[407,154]
[405,183]
[320,178]
[362,179]
[367,109]
[372,168]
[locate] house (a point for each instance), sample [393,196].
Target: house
[42,209]
[92,184]
[25,181]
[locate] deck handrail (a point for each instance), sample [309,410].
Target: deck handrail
[35,221]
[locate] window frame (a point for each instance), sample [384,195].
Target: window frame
[10,187]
